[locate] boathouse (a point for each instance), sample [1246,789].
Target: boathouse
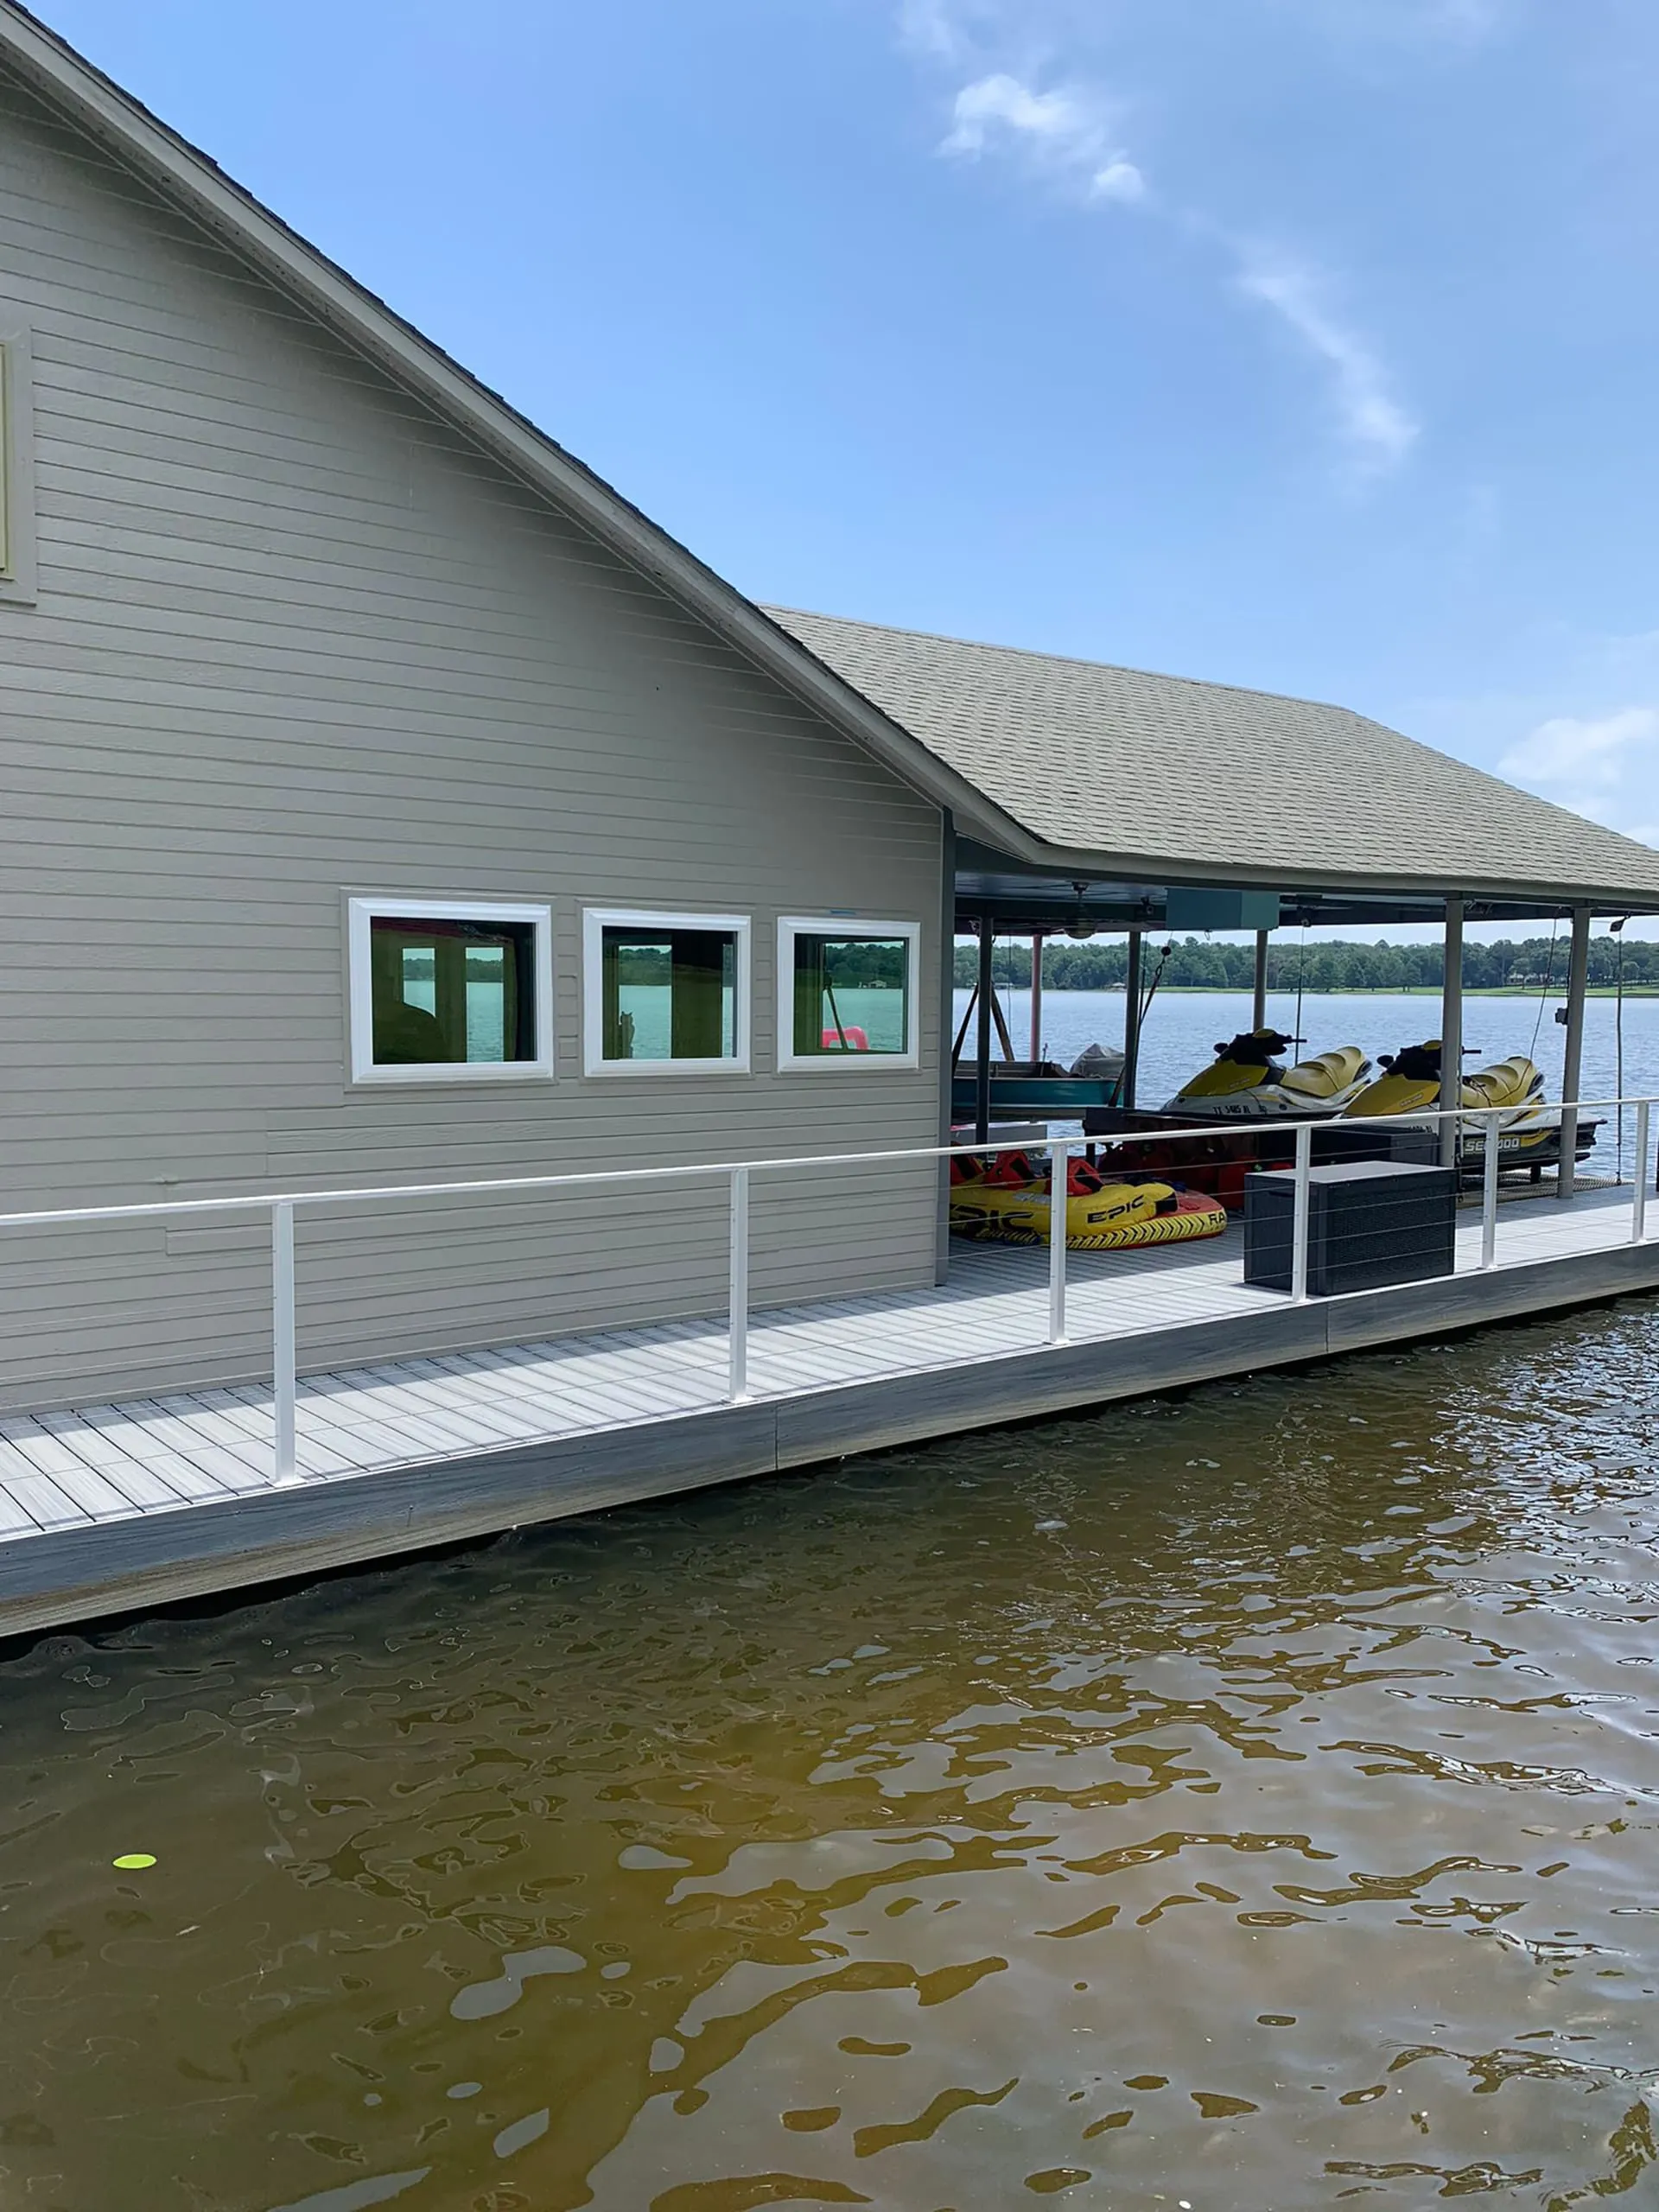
[392,806]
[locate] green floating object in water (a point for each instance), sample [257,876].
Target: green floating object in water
[130,1860]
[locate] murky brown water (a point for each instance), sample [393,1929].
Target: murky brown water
[1248,1802]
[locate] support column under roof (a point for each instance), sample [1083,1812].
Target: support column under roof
[1451,1031]
[1577,979]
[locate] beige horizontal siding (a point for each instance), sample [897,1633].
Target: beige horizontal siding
[297,639]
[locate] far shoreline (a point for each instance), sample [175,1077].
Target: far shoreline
[1330,991]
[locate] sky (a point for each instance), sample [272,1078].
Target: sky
[1312,345]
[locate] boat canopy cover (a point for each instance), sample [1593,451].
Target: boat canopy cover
[1164,777]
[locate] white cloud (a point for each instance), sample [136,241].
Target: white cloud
[953,31]
[1119,180]
[1373,421]
[999,103]
[932,26]
[1593,756]
[1606,768]
[1067,134]
[1067,130]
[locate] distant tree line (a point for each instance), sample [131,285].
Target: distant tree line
[1198,964]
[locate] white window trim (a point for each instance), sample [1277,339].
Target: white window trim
[18,577]
[362,912]
[595,920]
[793,925]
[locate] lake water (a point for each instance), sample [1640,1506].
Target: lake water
[1246,1802]
[1183,1027]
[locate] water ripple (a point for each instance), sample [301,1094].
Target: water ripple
[1247,1799]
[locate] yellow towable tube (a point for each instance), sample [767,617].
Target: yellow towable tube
[1114,1218]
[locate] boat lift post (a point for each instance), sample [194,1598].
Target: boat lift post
[1131,1024]
[1036,996]
[1578,978]
[1451,1033]
[982,1041]
[1259,1003]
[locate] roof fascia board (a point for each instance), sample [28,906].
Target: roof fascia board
[1146,868]
[232,215]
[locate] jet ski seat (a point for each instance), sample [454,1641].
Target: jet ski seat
[1323,1076]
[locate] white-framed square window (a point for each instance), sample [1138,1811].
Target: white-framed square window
[16,464]
[664,993]
[449,991]
[847,992]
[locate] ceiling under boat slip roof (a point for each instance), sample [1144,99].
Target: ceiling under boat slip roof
[1057,772]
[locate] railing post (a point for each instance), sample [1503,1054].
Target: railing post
[1301,1213]
[1639,1192]
[737,1388]
[1059,1177]
[282,1305]
[1489,1194]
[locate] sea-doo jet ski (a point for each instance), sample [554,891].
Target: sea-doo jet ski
[1529,1129]
[1248,1080]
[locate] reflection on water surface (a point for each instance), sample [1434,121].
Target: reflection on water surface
[1249,1800]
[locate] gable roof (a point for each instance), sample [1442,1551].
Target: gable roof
[1226,785]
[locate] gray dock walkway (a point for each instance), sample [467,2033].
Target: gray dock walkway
[109,1506]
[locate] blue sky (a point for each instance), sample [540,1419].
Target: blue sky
[1306,344]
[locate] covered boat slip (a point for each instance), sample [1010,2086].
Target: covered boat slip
[998,898]
[111,1507]
[997,1082]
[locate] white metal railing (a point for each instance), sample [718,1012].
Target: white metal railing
[282,1205]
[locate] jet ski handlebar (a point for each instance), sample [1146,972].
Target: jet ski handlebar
[1420,1062]
[1254,1047]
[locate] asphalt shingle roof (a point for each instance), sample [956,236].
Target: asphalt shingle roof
[1165,769]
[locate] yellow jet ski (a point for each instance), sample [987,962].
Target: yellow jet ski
[1411,1085]
[1248,1081]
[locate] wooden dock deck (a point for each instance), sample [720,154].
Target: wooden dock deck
[109,1507]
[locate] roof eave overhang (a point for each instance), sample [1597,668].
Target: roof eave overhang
[1081,864]
[191,181]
